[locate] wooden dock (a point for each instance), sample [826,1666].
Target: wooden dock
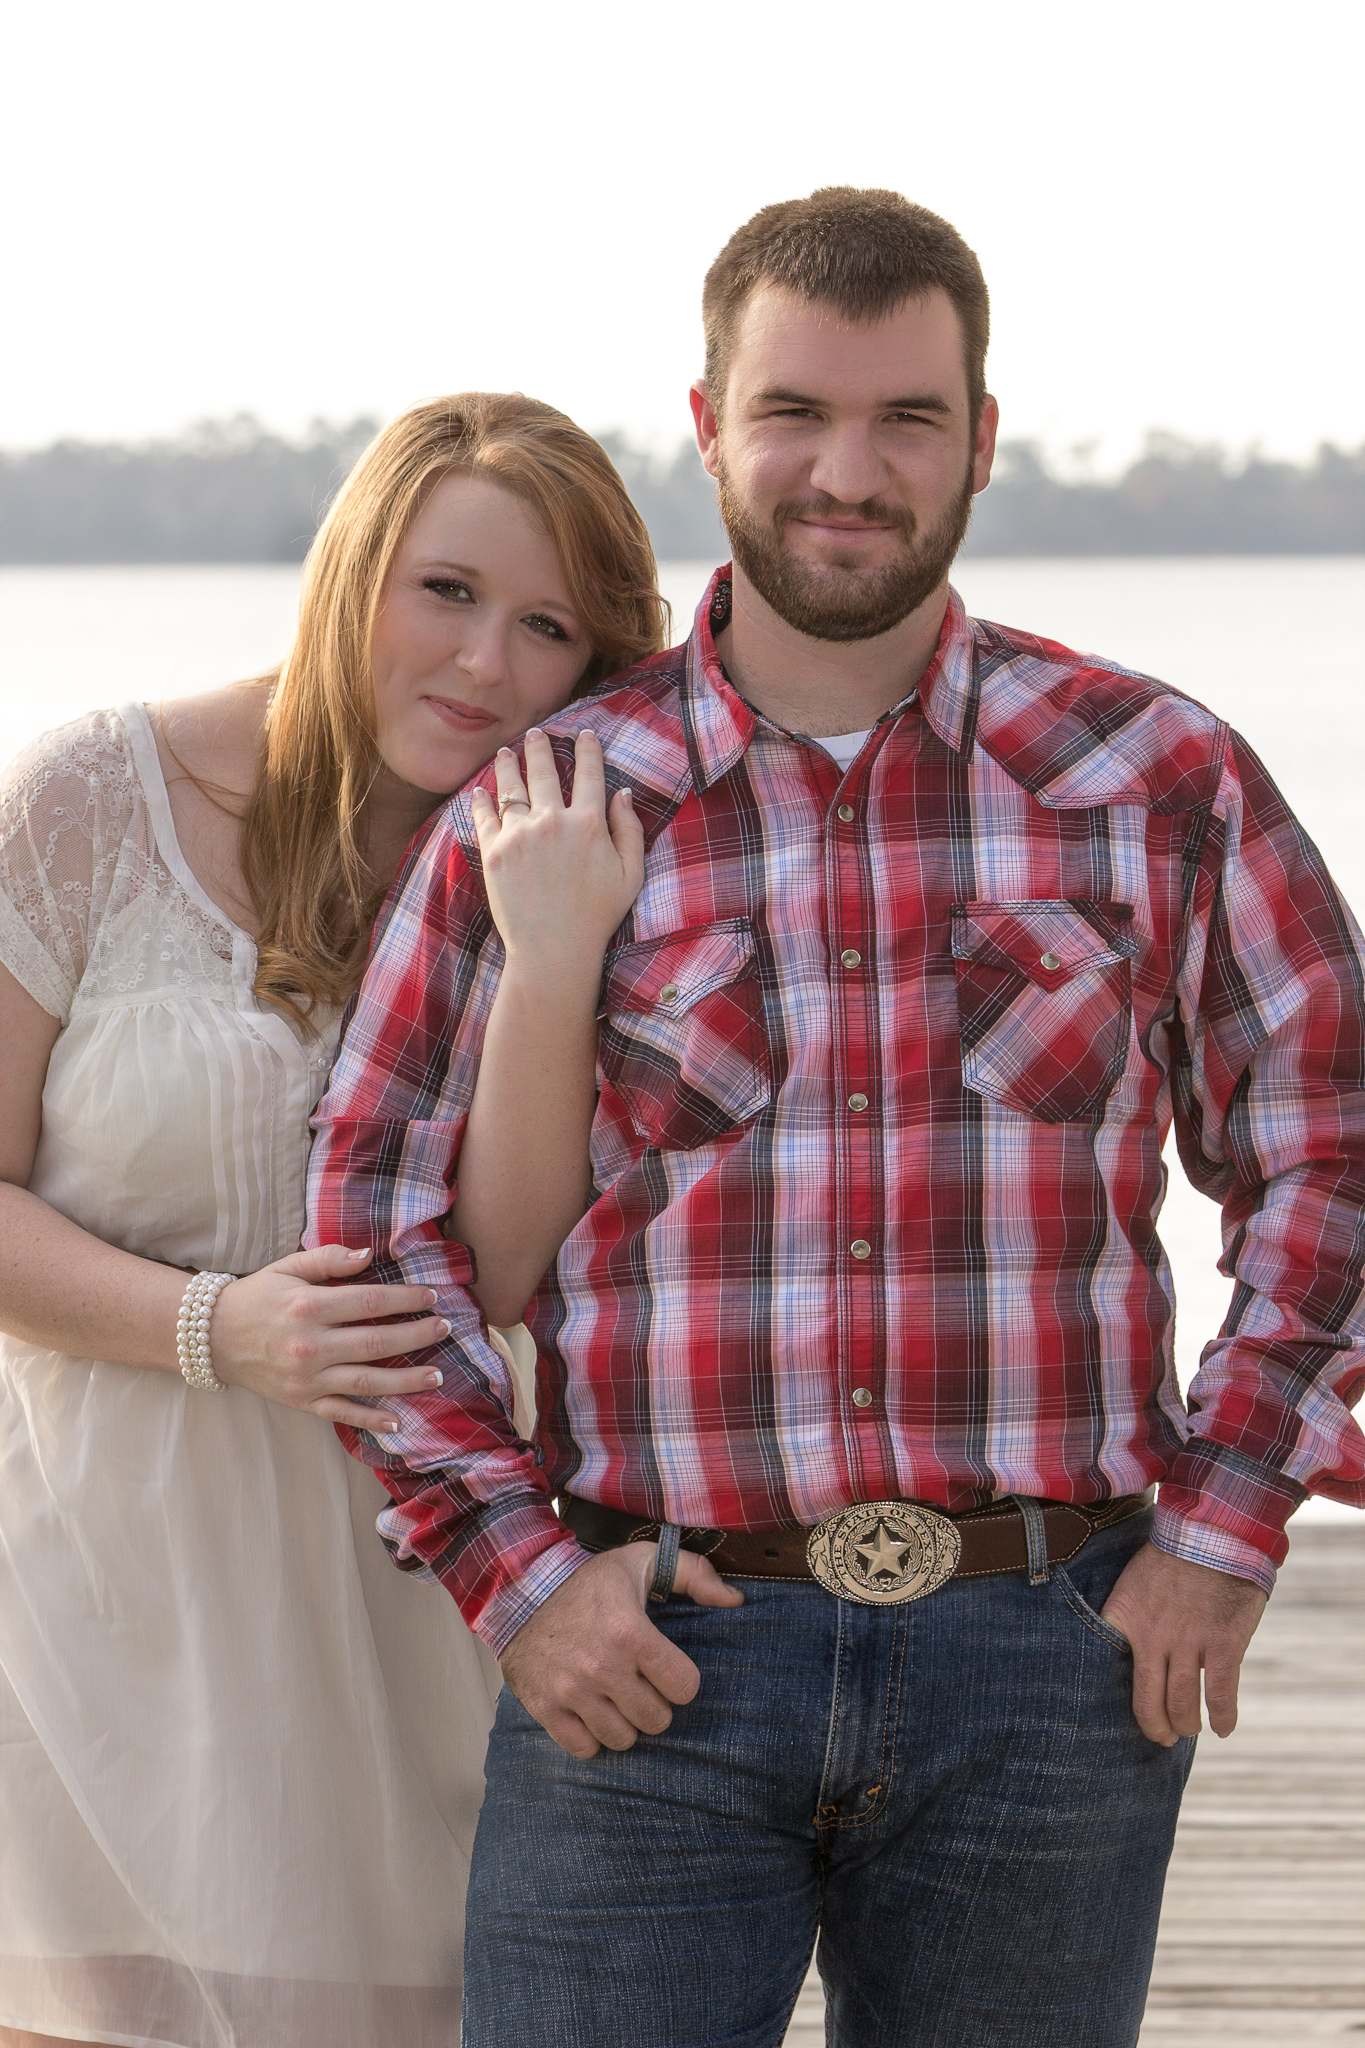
[1263,1934]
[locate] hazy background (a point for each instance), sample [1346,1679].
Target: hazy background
[300,209]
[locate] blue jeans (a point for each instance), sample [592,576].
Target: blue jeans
[953,1795]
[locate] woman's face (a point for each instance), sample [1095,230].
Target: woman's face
[476,638]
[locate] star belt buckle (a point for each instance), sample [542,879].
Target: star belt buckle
[883,1552]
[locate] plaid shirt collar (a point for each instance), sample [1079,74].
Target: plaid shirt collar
[1076,732]
[719,724]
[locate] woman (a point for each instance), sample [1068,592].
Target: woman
[240,1755]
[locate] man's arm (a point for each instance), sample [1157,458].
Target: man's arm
[1269,1098]
[470,1502]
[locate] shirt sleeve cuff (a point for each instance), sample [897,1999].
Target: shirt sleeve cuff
[517,1598]
[1219,1508]
[505,1561]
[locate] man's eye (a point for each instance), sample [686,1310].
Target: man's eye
[448,588]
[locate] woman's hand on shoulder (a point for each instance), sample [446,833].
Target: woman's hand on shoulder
[293,1335]
[560,877]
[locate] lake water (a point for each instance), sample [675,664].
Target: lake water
[1275,645]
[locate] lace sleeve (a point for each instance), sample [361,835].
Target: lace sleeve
[66,805]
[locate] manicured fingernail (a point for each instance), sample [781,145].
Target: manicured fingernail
[363,1254]
[442,1327]
[628,798]
[436,1379]
[533,732]
[430,1301]
[508,751]
[388,1427]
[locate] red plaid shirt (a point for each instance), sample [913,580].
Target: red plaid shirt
[887,1060]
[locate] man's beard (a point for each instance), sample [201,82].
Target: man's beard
[843,603]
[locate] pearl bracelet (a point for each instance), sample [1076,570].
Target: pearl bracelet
[192,1345]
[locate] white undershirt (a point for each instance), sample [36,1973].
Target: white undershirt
[845,746]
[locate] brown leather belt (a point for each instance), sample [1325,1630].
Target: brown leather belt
[880,1552]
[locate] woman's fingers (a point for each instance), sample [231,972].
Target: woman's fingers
[370,1343]
[324,1262]
[589,776]
[339,1388]
[542,776]
[368,1302]
[541,788]
[628,837]
[286,1334]
[333,1409]
[355,1414]
[511,789]
[375,1382]
[487,823]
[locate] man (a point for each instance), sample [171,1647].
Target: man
[941,926]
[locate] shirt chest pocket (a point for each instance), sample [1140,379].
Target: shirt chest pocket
[681,1038]
[1044,1002]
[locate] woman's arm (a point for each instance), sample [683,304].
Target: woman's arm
[560,878]
[281,1332]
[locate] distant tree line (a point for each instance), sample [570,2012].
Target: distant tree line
[232,491]
[1176,499]
[225,491]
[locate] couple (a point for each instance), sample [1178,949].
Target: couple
[822,1050]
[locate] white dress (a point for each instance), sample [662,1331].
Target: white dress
[240,1754]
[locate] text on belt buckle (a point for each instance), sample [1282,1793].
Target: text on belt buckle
[883,1552]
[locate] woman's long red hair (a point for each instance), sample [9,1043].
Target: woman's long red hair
[303,850]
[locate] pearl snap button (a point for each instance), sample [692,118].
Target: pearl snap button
[857,1102]
[850,958]
[862,1397]
[1051,961]
[860,1248]
[669,992]
[846,814]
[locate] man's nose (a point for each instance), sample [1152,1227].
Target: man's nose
[847,465]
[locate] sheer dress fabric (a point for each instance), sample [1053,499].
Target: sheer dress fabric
[240,1754]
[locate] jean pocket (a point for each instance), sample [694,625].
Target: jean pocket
[1082,1609]
[1045,1003]
[682,1040]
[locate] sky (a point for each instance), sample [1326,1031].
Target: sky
[303,210]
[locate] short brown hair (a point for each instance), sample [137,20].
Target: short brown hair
[862,252]
[303,828]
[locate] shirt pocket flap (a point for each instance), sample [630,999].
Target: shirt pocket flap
[673,974]
[1048,943]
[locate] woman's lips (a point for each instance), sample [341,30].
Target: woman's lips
[459,716]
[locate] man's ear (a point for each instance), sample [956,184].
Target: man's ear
[983,455]
[708,428]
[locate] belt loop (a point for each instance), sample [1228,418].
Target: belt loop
[1035,1532]
[666,1561]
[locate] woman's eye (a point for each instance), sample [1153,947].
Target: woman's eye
[548,628]
[446,587]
